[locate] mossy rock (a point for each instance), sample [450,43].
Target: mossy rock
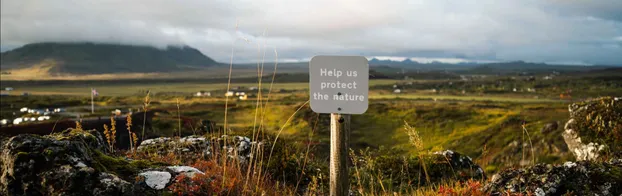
[599,121]
[125,169]
[577,178]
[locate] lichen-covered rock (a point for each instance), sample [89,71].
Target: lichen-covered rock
[34,165]
[578,178]
[239,146]
[56,164]
[110,184]
[199,146]
[582,151]
[594,128]
[157,179]
[191,146]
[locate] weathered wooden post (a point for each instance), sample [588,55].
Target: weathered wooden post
[339,85]
[339,145]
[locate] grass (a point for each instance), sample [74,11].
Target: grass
[130,89]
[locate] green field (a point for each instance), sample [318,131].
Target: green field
[481,118]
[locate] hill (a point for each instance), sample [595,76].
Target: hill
[91,58]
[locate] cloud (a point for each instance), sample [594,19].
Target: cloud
[530,30]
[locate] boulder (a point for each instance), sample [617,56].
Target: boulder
[594,128]
[53,164]
[199,146]
[157,179]
[549,127]
[74,162]
[577,178]
[191,146]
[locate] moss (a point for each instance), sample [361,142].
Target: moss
[48,152]
[119,166]
[599,120]
[21,155]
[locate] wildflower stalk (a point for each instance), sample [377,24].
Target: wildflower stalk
[132,136]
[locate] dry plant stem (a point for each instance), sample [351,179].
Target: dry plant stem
[178,118]
[225,127]
[261,155]
[283,127]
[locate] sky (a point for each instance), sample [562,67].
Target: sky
[551,31]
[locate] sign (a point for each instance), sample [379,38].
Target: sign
[339,84]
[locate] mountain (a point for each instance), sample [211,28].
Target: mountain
[531,68]
[510,67]
[95,58]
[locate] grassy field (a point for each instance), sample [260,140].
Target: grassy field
[78,89]
[487,120]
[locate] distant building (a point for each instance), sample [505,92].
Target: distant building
[397,91]
[243,97]
[229,94]
[203,94]
[116,112]
[4,121]
[24,109]
[253,88]
[17,121]
[8,88]
[239,93]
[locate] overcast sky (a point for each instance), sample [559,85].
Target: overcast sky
[560,31]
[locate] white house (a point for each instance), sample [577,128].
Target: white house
[17,121]
[229,94]
[243,97]
[203,93]
[8,88]
[397,91]
[24,109]
[116,112]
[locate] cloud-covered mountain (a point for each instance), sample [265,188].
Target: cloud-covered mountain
[92,58]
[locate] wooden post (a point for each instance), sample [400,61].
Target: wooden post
[92,104]
[339,140]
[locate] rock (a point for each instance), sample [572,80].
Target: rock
[580,178]
[549,127]
[49,164]
[199,146]
[581,151]
[112,185]
[594,128]
[157,179]
[239,146]
[190,147]
[74,162]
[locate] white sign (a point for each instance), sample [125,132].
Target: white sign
[339,84]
